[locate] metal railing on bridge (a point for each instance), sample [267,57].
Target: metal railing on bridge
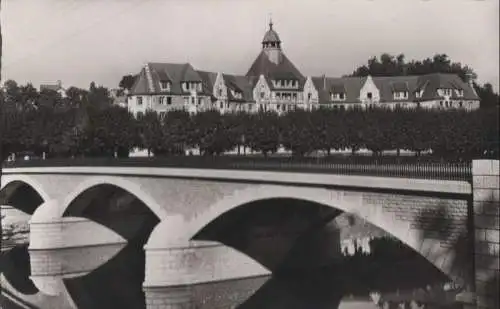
[404,167]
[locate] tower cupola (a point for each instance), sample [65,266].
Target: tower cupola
[271,45]
[271,38]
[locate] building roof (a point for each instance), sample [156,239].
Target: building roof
[285,69]
[240,84]
[431,82]
[53,87]
[351,85]
[387,85]
[271,36]
[175,73]
[208,80]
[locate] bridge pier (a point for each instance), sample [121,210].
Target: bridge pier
[486,206]
[174,265]
[66,247]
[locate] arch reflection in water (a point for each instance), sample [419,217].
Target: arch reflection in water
[118,282]
[301,243]
[15,268]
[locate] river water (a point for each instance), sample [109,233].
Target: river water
[117,283]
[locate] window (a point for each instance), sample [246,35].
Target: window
[169,100]
[369,95]
[164,85]
[160,100]
[262,94]
[461,104]
[309,96]
[341,96]
[220,92]
[221,105]
[139,100]
[186,100]
[162,115]
[441,103]
[199,101]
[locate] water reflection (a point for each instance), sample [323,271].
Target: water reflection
[15,268]
[117,281]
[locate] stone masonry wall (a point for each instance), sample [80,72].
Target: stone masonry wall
[487,232]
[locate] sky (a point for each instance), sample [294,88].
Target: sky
[79,41]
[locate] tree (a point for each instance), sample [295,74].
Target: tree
[28,95]
[12,93]
[98,96]
[76,96]
[264,135]
[297,132]
[127,81]
[487,95]
[150,131]
[176,135]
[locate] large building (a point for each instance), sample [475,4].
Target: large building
[273,82]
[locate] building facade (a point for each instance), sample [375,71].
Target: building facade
[273,83]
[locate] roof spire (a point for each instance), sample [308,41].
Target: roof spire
[270,21]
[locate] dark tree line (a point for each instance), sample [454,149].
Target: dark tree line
[96,131]
[389,65]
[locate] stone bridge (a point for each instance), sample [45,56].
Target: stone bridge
[199,226]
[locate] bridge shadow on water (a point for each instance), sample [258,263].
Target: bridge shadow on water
[15,267]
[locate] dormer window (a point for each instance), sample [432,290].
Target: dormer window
[369,95]
[446,92]
[400,95]
[139,100]
[459,92]
[337,96]
[418,94]
[165,85]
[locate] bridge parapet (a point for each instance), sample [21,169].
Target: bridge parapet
[408,167]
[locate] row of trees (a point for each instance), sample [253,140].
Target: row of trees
[107,131]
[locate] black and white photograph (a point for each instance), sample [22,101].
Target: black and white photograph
[249,154]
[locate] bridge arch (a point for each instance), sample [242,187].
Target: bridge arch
[24,193]
[348,203]
[119,182]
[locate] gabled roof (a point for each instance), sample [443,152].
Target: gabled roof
[240,84]
[141,84]
[350,85]
[436,81]
[208,81]
[285,69]
[388,85]
[172,72]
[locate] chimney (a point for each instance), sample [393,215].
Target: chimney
[59,84]
[324,82]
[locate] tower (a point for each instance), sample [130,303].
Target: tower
[271,44]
